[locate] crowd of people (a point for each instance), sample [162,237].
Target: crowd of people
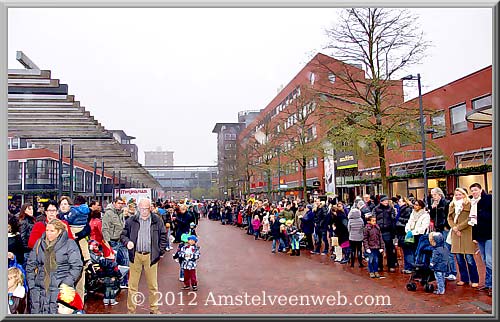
[375,229]
[57,257]
[51,255]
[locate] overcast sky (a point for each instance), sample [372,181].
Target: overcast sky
[167,75]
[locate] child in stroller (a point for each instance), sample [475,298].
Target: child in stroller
[104,275]
[421,269]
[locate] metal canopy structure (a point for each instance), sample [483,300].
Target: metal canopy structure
[482,115]
[41,112]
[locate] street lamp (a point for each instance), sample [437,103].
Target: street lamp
[422,130]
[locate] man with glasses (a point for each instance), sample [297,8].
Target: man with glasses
[145,236]
[112,226]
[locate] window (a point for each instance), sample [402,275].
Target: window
[14,173]
[457,117]
[41,172]
[229,136]
[79,180]
[478,103]
[438,124]
[88,181]
[331,77]
[312,78]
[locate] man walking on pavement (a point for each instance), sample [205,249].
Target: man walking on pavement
[145,236]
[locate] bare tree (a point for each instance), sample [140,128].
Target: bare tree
[298,132]
[376,45]
[256,155]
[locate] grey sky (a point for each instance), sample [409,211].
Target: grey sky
[167,75]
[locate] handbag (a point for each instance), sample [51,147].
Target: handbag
[409,239]
[335,241]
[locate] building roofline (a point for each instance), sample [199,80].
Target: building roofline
[452,82]
[219,125]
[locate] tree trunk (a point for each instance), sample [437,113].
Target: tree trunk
[304,178]
[269,183]
[383,168]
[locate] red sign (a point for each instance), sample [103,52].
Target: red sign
[252,185]
[261,184]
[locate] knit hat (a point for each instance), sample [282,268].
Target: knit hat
[384,198]
[69,298]
[193,237]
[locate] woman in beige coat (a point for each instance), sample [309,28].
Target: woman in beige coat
[461,238]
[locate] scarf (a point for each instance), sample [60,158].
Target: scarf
[459,206]
[473,211]
[50,264]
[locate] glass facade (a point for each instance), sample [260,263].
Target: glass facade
[41,174]
[79,180]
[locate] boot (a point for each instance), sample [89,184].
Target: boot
[298,252]
[292,252]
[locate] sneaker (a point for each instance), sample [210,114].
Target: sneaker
[372,275]
[377,275]
[438,293]
[313,252]
[451,277]
[123,286]
[195,288]
[273,251]
[185,287]
[113,302]
[181,279]
[406,271]
[106,301]
[392,270]
[324,254]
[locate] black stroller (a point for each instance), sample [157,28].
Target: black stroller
[421,269]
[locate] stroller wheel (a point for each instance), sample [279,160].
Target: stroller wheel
[412,287]
[429,288]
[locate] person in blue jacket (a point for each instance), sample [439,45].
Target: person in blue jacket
[307,226]
[439,260]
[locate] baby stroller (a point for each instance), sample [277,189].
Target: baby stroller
[94,274]
[421,269]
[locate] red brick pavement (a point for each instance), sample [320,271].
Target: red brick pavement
[232,263]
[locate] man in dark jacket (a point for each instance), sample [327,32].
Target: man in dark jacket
[307,226]
[145,236]
[386,215]
[182,221]
[275,233]
[321,223]
[482,211]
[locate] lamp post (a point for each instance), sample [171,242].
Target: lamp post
[422,130]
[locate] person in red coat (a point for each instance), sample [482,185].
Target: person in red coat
[39,227]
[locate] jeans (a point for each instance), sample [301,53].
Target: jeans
[294,242]
[168,238]
[440,281]
[256,234]
[181,273]
[467,267]
[322,236]
[110,288]
[452,267]
[389,251]
[409,255]
[485,249]
[281,244]
[121,257]
[373,260]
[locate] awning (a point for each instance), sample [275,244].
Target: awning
[482,115]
